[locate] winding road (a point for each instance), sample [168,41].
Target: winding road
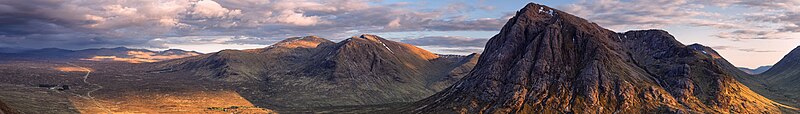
[89,94]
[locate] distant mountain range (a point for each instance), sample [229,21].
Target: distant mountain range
[758,70]
[119,54]
[548,61]
[311,71]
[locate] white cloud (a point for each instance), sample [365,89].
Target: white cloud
[211,9]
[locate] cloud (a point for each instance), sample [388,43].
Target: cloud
[741,49]
[449,44]
[783,15]
[472,50]
[211,9]
[721,47]
[643,14]
[487,8]
[453,50]
[750,34]
[761,19]
[78,24]
[447,41]
[754,50]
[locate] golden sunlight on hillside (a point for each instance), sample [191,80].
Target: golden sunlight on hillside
[300,44]
[140,57]
[71,69]
[197,102]
[422,53]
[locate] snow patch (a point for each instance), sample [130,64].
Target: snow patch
[420,108]
[541,9]
[384,46]
[549,11]
[387,47]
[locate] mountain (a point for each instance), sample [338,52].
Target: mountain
[783,77]
[548,61]
[786,68]
[13,49]
[314,72]
[753,82]
[119,54]
[758,70]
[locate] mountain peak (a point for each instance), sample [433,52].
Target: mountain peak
[302,42]
[696,45]
[370,37]
[534,8]
[546,60]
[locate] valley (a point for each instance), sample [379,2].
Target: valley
[542,60]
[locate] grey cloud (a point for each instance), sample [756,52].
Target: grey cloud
[461,51]
[447,41]
[783,13]
[641,14]
[487,8]
[741,49]
[722,47]
[755,50]
[112,23]
[453,50]
[750,34]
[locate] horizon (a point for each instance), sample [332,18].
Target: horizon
[746,33]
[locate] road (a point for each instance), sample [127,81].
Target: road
[89,93]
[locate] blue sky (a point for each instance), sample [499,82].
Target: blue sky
[749,33]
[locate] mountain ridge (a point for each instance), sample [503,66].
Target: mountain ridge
[548,61]
[360,70]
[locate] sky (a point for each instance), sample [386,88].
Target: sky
[749,33]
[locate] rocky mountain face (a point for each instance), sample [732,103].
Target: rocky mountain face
[312,71]
[119,54]
[548,61]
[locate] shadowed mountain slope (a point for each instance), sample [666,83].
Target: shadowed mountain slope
[782,78]
[547,61]
[787,70]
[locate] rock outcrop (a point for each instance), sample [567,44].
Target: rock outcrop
[548,61]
